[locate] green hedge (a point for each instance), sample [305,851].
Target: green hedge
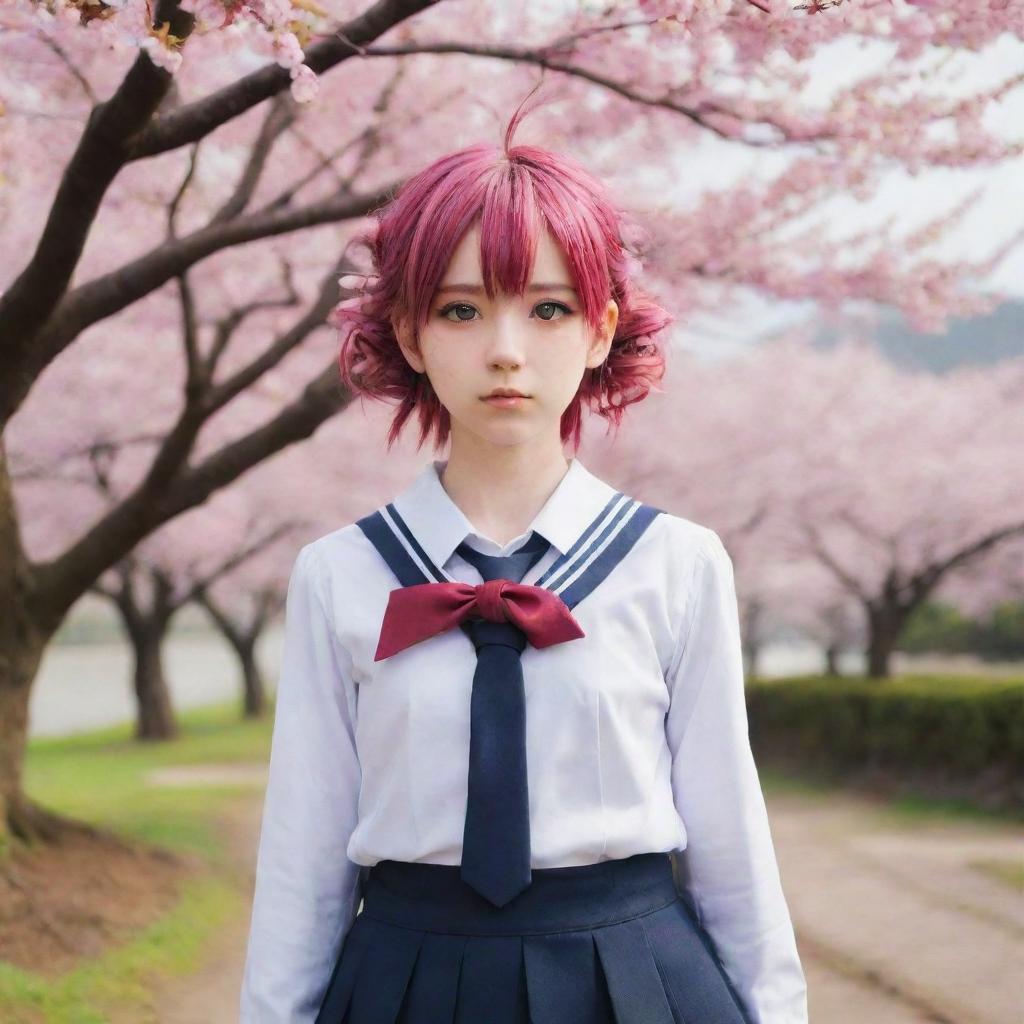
[956,737]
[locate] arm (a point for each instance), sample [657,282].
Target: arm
[728,870]
[306,889]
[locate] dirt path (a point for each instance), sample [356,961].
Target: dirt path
[902,914]
[211,996]
[894,923]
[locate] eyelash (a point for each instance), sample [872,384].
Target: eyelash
[566,311]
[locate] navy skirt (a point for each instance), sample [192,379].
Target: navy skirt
[606,943]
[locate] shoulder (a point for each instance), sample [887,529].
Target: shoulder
[691,545]
[341,567]
[697,567]
[352,585]
[344,552]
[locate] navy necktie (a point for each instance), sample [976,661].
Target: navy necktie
[496,837]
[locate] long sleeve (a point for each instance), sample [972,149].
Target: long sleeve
[306,888]
[728,869]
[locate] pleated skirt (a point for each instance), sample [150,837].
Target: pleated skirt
[606,943]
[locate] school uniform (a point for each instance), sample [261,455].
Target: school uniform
[618,866]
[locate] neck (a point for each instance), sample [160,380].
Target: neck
[501,490]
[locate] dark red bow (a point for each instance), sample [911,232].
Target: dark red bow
[421,611]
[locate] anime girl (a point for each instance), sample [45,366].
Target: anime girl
[510,722]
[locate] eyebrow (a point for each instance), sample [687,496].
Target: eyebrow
[478,289]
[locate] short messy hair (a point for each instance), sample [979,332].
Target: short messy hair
[513,191]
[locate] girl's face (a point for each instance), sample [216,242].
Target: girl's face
[538,344]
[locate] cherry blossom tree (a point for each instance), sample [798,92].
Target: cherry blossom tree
[905,482]
[176,565]
[209,183]
[838,481]
[232,556]
[241,616]
[330,481]
[150,586]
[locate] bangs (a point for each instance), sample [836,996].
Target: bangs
[513,201]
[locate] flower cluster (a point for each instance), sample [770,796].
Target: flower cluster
[358,287]
[288,53]
[287,22]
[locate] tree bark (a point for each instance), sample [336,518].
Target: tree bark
[242,640]
[25,630]
[146,620]
[128,127]
[255,698]
[102,150]
[885,623]
[751,642]
[21,649]
[154,718]
[832,660]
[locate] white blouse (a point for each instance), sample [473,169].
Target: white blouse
[636,741]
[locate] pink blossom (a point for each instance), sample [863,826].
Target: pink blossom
[210,13]
[305,84]
[287,51]
[160,55]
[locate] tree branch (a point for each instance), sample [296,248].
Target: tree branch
[230,563]
[542,57]
[104,148]
[921,584]
[280,117]
[62,581]
[321,399]
[195,120]
[818,548]
[107,295]
[34,321]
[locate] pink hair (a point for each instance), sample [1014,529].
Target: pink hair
[513,192]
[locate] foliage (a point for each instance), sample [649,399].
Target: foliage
[937,736]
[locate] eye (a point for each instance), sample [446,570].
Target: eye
[547,311]
[452,306]
[566,311]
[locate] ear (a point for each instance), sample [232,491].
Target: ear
[404,335]
[601,339]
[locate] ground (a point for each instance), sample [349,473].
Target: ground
[61,903]
[898,919]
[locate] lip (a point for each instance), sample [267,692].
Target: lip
[506,393]
[505,401]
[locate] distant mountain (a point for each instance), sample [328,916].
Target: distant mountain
[981,340]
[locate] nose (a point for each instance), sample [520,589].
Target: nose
[505,342]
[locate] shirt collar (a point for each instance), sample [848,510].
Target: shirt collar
[440,525]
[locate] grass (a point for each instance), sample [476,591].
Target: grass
[1010,873]
[120,978]
[100,777]
[901,811]
[906,813]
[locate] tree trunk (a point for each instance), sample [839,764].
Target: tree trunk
[242,637]
[22,642]
[252,679]
[751,658]
[832,660]
[751,639]
[16,672]
[21,649]
[20,818]
[885,622]
[154,716]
